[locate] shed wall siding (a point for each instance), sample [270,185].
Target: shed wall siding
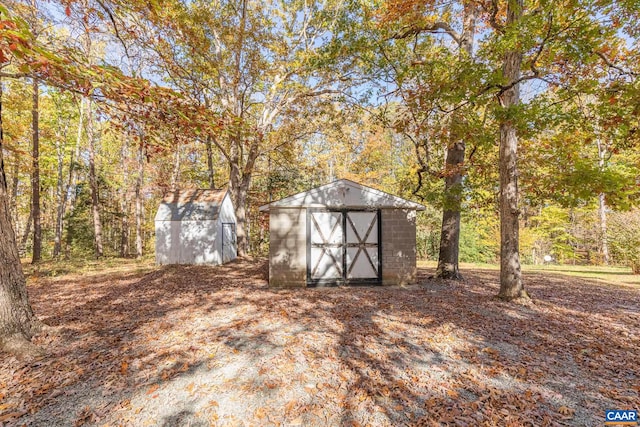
[227,213]
[189,227]
[398,246]
[288,247]
[187,242]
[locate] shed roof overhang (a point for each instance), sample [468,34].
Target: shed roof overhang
[344,194]
[191,205]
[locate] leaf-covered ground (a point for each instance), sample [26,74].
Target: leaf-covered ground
[202,346]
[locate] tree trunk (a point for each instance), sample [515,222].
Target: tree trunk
[57,249]
[124,237]
[239,184]
[175,176]
[17,321]
[450,231]
[15,181]
[239,189]
[35,176]
[448,263]
[57,240]
[93,183]
[210,171]
[511,286]
[69,196]
[124,206]
[139,205]
[26,234]
[602,207]
[68,241]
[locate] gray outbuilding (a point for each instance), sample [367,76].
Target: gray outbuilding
[342,233]
[196,227]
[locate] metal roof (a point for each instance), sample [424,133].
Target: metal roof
[191,205]
[344,194]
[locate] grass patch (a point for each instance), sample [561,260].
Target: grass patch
[606,274]
[87,266]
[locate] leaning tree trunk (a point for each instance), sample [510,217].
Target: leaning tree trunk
[448,258]
[35,175]
[17,321]
[511,286]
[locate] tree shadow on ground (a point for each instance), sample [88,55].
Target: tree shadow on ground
[184,344]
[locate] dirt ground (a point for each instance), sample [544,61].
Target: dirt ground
[199,346]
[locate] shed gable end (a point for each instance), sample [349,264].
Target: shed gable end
[343,194]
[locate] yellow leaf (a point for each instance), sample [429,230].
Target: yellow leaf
[123,367]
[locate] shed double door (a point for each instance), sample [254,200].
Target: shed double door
[343,247]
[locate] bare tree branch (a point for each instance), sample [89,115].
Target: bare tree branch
[115,27]
[610,64]
[435,28]
[540,49]
[14,75]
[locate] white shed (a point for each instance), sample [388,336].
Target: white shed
[196,227]
[342,233]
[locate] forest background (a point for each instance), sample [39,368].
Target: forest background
[107,105]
